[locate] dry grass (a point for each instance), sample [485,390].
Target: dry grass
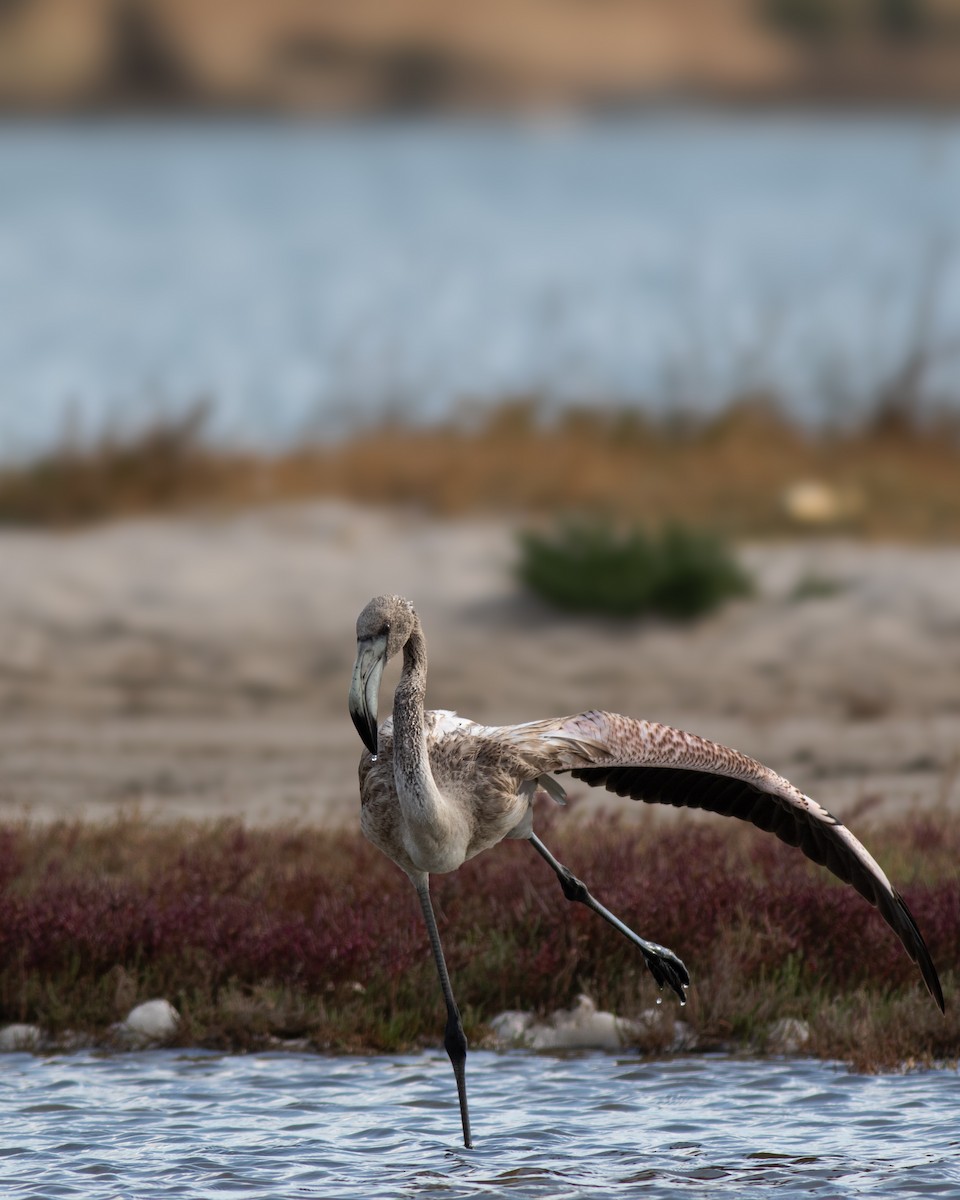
[383,54]
[301,933]
[897,477]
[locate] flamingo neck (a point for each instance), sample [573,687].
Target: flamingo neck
[411,763]
[431,830]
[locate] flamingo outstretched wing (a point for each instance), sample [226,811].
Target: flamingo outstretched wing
[662,765]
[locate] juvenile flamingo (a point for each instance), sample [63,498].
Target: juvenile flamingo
[437,789]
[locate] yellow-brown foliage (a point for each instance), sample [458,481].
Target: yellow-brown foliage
[732,472]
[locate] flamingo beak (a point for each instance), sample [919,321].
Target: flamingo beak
[365,688]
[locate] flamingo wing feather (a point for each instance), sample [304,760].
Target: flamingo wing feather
[659,764]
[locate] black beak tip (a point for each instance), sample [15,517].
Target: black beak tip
[367,730]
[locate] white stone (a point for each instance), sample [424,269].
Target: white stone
[511,1026]
[787,1036]
[579,1028]
[658,1020]
[684,1038]
[20,1037]
[814,502]
[154,1020]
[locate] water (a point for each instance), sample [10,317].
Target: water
[306,275]
[192,1124]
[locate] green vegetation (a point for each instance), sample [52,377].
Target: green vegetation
[595,568]
[826,20]
[808,19]
[300,933]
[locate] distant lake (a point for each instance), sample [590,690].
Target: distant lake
[305,276]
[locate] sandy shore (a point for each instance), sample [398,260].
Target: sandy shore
[199,666]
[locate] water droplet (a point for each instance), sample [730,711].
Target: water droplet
[373,758]
[659,999]
[683,1001]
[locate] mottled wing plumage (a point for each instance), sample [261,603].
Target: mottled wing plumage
[662,765]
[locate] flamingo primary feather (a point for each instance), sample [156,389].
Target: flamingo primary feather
[437,789]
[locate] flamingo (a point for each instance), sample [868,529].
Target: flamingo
[437,789]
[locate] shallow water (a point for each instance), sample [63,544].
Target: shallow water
[299,272]
[194,1124]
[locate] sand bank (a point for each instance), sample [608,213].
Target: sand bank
[199,665]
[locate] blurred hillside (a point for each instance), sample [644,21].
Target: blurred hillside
[401,55]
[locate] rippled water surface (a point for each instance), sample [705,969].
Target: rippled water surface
[192,1124]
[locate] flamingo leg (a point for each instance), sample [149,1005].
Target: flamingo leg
[454,1039]
[664,965]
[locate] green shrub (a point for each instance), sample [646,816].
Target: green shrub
[826,20]
[898,19]
[592,567]
[812,20]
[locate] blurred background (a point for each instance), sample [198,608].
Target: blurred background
[316,215]
[477,268]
